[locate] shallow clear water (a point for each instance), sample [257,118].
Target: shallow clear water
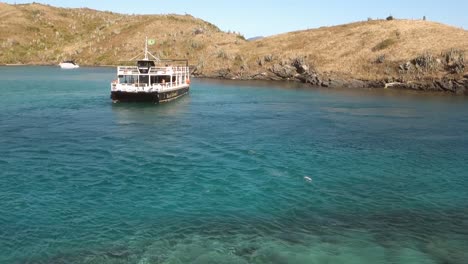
[222,175]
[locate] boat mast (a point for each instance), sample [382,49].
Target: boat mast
[146,48]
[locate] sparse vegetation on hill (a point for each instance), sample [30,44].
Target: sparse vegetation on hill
[372,53]
[351,49]
[40,34]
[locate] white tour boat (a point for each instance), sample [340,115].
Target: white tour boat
[151,80]
[68,65]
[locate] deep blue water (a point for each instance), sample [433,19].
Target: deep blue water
[221,175]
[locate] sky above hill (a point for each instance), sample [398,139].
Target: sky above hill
[269,17]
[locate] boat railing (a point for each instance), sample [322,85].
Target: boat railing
[121,70]
[168,84]
[171,70]
[168,70]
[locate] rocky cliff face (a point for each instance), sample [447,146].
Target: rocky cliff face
[297,70]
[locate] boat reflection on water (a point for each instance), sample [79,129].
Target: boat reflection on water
[149,113]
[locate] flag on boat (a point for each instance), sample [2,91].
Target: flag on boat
[151,41]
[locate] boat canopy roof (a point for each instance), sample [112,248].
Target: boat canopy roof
[145,63]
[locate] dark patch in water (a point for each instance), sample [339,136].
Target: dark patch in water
[245,251]
[118,253]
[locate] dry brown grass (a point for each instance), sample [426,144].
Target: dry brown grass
[41,34]
[350,49]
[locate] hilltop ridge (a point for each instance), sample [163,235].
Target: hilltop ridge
[41,34]
[413,54]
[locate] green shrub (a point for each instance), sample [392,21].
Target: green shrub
[384,44]
[222,54]
[241,37]
[454,60]
[32,29]
[425,62]
[268,58]
[196,45]
[380,59]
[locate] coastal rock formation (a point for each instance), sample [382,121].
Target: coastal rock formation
[451,86]
[295,70]
[286,72]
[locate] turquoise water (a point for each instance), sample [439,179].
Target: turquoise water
[222,175]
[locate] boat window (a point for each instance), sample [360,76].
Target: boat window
[154,79]
[165,79]
[144,78]
[145,64]
[127,79]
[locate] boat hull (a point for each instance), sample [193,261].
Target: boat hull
[68,66]
[154,97]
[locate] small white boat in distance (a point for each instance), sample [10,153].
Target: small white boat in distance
[68,65]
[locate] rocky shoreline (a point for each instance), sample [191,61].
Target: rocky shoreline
[297,71]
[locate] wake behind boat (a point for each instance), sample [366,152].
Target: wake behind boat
[68,65]
[151,80]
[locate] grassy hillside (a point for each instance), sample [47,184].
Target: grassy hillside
[373,50]
[354,49]
[40,34]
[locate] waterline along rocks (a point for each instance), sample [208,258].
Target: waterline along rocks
[393,54]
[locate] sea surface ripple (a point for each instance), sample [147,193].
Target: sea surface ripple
[234,172]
